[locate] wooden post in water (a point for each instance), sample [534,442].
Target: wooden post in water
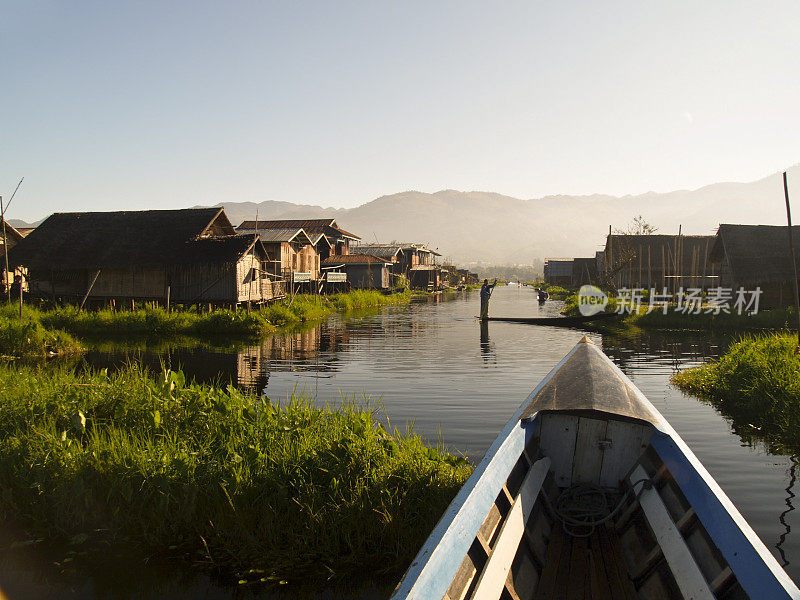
[791,253]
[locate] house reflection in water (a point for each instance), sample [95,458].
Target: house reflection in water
[296,351]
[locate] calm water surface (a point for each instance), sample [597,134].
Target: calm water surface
[433,364]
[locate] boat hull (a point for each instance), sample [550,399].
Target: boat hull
[672,531]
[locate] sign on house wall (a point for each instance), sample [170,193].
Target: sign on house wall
[336,277]
[301,277]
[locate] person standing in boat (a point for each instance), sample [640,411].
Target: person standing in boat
[486,293]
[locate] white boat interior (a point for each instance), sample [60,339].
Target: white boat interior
[589,493]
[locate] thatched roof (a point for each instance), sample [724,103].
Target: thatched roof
[97,240]
[327,226]
[228,248]
[13,235]
[756,253]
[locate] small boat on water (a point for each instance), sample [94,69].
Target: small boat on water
[556,321]
[588,492]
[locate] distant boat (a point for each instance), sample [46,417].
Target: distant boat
[588,492]
[555,321]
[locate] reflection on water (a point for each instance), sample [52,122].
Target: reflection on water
[487,350]
[789,508]
[429,365]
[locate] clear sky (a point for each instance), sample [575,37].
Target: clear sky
[133,105]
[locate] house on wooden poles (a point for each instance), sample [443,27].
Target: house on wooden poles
[296,259]
[558,271]
[361,271]
[10,238]
[757,256]
[659,261]
[414,261]
[188,256]
[584,271]
[339,241]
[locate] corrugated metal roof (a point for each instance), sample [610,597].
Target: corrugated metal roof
[382,250]
[289,234]
[327,226]
[352,259]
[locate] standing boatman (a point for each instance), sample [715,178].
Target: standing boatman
[486,293]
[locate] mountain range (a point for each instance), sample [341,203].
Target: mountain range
[490,228]
[470,227]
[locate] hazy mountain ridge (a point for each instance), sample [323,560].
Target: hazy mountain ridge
[491,227]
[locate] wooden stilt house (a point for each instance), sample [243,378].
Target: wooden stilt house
[166,256]
[757,256]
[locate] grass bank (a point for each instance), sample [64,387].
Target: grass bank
[29,338]
[214,478]
[239,323]
[775,319]
[756,383]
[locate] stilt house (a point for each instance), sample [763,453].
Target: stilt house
[363,271]
[340,240]
[181,256]
[751,256]
[659,261]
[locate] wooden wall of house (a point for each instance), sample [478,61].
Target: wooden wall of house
[129,283]
[308,261]
[188,283]
[111,283]
[202,282]
[254,281]
[294,258]
[367,277]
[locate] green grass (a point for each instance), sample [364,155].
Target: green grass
[212,477]
[775,319]
[28,338]
[557,292]
[756,383]
[158,322]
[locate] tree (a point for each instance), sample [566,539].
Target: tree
[637,227]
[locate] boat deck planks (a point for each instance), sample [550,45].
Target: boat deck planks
[585,568]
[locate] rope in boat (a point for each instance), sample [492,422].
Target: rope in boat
[582,507]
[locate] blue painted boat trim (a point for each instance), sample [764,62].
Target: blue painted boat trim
[755,568]
[758,572]
[433,569]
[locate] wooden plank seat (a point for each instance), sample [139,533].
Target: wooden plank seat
[585,568]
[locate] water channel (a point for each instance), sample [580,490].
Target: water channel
[433,364]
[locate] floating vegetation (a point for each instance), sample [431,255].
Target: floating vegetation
[215,478]
[159,322]
[757,384]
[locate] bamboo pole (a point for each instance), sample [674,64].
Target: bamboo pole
[791,253]
[3,210]
[89,290]
[5,250]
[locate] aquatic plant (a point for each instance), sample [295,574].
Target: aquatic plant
[756,383]
[28,338]
[216,478]
[159,322]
